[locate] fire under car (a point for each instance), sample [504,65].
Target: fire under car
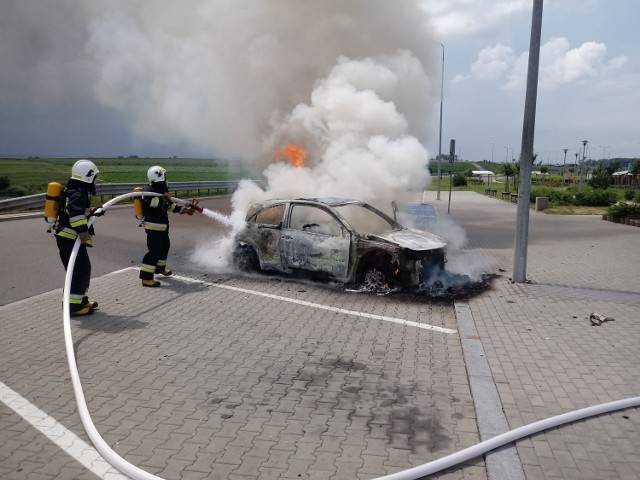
[337,239]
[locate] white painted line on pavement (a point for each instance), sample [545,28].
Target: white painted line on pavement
[399,321]
[64,438]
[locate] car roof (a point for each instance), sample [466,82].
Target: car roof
[333,201]
[330,201]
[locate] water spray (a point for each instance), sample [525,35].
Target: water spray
[194,205]
[435,466]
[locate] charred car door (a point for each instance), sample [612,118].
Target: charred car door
[268,228]
[316,241]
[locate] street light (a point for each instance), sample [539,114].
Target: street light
[584,158]
[564,165]
[603,153]
[440,134]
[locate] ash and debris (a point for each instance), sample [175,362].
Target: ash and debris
[445,287]
[598,319]
[454,286]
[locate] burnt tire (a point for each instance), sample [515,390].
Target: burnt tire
[375,280]
[245,258]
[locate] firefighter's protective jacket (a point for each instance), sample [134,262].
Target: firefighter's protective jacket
[156,208]
[74,214]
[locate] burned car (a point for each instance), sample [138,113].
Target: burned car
[343,240]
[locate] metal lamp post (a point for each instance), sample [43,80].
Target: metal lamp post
[526,155]
[564,165]
[604,158]
[584,158]
[440,134]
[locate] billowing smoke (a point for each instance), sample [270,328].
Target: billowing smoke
[353,82]
[221,75]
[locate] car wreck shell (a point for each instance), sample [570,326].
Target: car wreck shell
[337,239]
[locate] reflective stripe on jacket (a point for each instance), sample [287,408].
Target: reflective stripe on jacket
[156,208]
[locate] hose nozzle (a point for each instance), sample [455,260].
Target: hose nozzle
[194,205]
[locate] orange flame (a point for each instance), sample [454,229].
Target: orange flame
[292,153]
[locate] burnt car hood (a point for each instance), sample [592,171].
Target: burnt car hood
[411,239]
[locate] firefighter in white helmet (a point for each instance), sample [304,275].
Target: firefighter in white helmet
[73,223]
[156,226]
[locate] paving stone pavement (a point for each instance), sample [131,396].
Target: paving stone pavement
[220,377]
[545,356]
[207,379]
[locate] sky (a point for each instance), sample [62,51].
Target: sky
[239,78]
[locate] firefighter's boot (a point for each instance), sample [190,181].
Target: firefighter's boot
[150,283]
[92,304]
[86,310]
[166,272]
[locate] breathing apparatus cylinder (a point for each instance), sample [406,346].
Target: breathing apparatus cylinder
[138,207]
[52,202]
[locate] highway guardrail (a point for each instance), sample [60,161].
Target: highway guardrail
[105,190]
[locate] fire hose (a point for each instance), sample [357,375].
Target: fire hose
[430,468]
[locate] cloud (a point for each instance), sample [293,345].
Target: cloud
[467,17]
[560,65]
[493,63]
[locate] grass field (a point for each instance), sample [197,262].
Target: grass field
[34,174]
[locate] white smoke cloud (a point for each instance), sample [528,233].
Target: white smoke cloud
[359,142]
[354,82]
[219,74]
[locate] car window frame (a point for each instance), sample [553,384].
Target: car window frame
[279,225]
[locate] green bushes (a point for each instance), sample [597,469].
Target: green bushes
[459,180]
[556,196]
[624,210]
[596,198]
[586,198]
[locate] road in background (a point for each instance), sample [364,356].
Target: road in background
[31,264]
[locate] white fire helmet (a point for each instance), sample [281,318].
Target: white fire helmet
[84,170]
[156,174]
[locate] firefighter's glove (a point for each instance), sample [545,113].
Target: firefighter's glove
[85,239]
[167,195]
[97,212]
[187,210]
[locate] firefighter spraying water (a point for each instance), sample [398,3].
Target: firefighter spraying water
[155,220]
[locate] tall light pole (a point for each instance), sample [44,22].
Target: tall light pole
[526,155]
[584,158]
[440,134]
[506,155]
[492,145]
[603,153]
[564,165]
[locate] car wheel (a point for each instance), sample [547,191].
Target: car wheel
[245,258]
[375,280]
